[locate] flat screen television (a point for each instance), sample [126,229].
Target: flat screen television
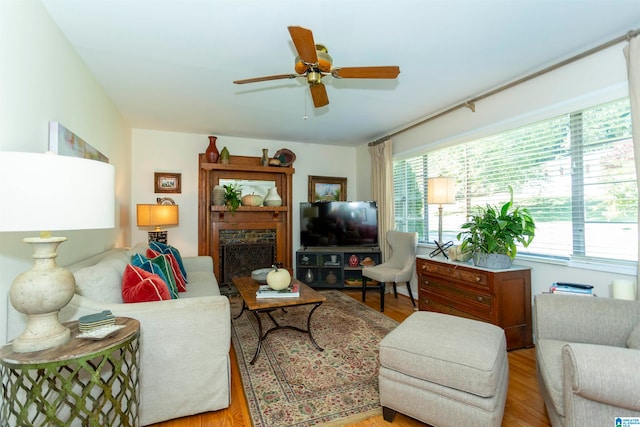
[338,224]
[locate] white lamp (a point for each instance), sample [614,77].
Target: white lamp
[47,192]
[441,190]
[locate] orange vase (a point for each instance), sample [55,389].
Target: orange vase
[212,152]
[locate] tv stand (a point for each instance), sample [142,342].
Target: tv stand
[329,268]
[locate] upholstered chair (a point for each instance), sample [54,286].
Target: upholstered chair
[399,268]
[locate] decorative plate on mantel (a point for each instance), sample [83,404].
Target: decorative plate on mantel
[286,157]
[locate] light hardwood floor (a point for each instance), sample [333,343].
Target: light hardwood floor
[524,407]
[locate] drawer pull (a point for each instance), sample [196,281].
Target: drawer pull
[479,299]
[478,279]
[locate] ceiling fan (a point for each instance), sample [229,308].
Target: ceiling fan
[314,62]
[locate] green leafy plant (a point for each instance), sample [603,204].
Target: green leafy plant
[232,194]
[496,230]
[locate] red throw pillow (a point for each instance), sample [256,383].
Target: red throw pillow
[139,285]
[181,282]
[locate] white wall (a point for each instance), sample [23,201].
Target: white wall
[42,79]
[157,151]
[596,79]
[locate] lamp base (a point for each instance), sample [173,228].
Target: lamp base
[43,331]
[158,236]
[40,293]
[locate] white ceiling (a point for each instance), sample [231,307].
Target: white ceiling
[169,64]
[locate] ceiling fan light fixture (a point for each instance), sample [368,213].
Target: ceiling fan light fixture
[314,77]
[325,61]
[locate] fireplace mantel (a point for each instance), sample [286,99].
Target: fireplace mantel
[213,219]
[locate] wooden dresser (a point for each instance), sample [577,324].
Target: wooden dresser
[501,297]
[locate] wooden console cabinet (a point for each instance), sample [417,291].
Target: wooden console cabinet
[500,297]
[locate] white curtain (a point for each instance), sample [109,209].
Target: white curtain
[632,53]
[382,191]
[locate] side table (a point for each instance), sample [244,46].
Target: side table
[83,382]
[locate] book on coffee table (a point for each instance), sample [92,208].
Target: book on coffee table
[264,291]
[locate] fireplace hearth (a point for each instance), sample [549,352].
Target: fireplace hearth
[241,259]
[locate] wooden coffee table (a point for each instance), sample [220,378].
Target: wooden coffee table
[247,288]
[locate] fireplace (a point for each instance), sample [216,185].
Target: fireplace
[251,237]
[241,259]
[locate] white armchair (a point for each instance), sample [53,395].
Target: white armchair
[400,267]
[587,356]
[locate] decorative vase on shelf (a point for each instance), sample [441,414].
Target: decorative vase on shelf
[224,156]
[354,260]
[265,157]
[212,152]
[217,196]
[331,278]
[272,198]
[309,276]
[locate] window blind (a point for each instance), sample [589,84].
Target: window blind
[575,173]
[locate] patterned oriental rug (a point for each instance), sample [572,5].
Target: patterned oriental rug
[294,384]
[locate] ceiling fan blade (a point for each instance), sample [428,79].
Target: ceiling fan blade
[306,47]
[319,95]
[265,78]
[390,72]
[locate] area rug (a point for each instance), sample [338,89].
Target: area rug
[292,383]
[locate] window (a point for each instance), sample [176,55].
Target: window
[575,173]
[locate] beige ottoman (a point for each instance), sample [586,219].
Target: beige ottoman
[444,370]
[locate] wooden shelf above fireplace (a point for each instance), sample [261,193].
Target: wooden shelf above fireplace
[247,164]
[251,208]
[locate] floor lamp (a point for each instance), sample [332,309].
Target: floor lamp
[48,192]
[441,190]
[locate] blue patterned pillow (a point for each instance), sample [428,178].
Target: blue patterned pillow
[163,248]
[157,266]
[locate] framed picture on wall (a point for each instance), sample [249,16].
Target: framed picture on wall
[165,182]
[66,143]
[327,188]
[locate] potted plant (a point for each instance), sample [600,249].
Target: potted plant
[493,232]
[232,194]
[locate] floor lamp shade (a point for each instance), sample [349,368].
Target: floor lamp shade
[45,193]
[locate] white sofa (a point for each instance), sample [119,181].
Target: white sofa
[184,343]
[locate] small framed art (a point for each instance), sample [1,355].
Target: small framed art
[327,188]
[166,182]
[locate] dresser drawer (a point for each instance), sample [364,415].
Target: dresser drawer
[458,298]
[457,293]
[431,302]
[475,278]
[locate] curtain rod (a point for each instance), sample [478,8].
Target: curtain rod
[471,103]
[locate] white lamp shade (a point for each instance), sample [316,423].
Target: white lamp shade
[441,190]
[47,192]
[157,215]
